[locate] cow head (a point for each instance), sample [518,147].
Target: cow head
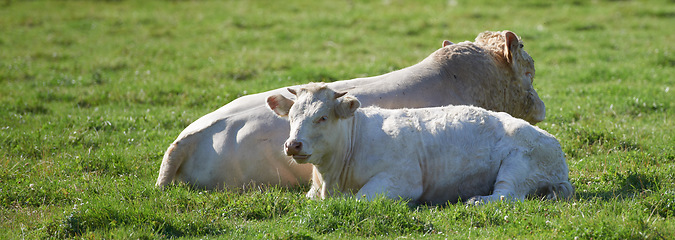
[509,46]
[315,120]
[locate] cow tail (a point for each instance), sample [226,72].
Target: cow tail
[560,191]
[173,159]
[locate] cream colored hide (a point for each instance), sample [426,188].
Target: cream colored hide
[239,143]
[426,155]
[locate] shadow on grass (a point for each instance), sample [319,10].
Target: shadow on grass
[629,186]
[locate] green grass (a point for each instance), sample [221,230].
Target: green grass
[93,92]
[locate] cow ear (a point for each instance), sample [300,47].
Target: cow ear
[447,43]
[347,106]
[279,104]
[511,46]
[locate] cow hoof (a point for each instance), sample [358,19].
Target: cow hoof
[475,201]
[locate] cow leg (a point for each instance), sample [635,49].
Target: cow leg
[511,183]
[316,190]
[408,187]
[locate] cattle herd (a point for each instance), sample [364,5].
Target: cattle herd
[457,126]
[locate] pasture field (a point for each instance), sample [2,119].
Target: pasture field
[93,92]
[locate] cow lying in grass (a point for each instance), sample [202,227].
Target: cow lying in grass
[239,143]
[425,155]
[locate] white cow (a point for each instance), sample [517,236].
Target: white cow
[238,143]
[426,155]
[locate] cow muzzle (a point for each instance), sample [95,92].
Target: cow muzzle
[537,110]
[295,149]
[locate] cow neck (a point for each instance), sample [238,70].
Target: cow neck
[337,171]
[346,168]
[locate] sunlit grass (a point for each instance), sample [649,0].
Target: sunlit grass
[93,92]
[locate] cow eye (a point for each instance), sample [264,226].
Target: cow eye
[322,119]
[529,75]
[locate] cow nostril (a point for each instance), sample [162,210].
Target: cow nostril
[297,145]
[293,147]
